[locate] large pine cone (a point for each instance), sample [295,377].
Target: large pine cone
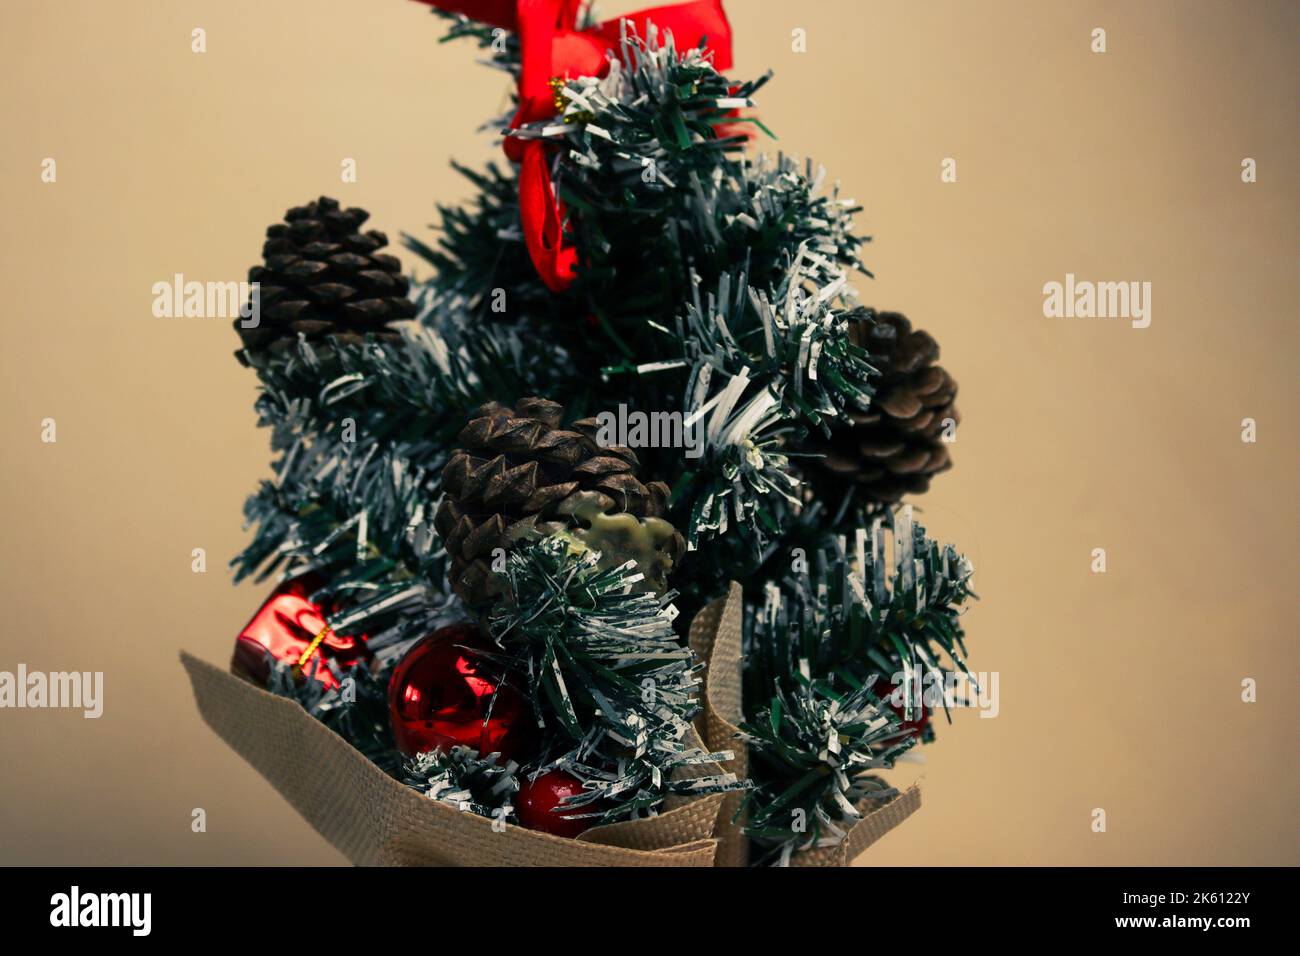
[520,473]
[323,277]
[896,447]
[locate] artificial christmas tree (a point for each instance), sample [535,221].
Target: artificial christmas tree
[653,267]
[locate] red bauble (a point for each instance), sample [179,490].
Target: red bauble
[285,626]
[440,693]
[537,799]
[885,691]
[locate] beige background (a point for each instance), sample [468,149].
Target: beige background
[1119,691]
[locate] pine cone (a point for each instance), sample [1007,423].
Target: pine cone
[896,447]
[323,277]
[520,473]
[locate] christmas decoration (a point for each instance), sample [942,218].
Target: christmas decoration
[612,686]
[442,695]
[550,46]
[826,735]
[897,445]
[521,473]
[291,629]
[541,805]
[824,650]
[633,259]
[893,621]
[463,779]
[323,276]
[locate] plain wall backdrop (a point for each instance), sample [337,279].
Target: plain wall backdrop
[1119,691]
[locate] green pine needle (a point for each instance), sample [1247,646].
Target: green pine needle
[611,686]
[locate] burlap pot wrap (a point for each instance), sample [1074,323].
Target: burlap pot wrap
[373,819]
[716,637]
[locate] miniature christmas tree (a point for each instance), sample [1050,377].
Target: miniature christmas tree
[636,254]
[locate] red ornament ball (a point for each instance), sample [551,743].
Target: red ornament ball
[285,627]
[440,694]
[537,799]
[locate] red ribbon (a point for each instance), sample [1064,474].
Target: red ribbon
[551,46]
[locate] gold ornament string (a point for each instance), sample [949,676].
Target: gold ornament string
[305,656]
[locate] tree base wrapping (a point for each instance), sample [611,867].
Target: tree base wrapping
[375,820]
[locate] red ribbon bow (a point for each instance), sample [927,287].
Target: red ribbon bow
[551,47]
